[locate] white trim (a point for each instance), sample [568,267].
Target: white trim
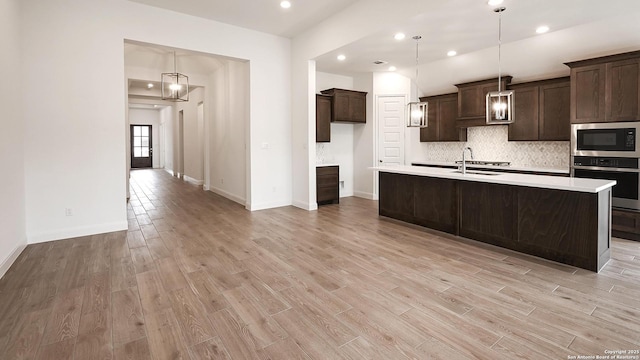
[169,171]
[191,180]
[305,205]
[365,195]
[77,232]
[228,195]
[206,187]
[271,205]
[9,260]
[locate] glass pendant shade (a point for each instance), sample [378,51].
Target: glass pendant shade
[175,86]
[417,114]
[500,107]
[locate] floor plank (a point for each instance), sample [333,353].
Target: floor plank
[197,276]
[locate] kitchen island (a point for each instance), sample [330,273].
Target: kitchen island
[563,219]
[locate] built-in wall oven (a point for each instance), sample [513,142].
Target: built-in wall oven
[609,151]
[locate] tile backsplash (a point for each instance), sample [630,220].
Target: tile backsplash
[491,143]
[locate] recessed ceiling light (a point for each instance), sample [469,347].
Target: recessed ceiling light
[149,85]
[392,68]
[399,36]
[285,4]
[542,29]
[341,57]
[495,2]
[452,53]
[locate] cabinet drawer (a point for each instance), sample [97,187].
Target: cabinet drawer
[327,194]
[625,224]
[625,221]
[327,180]
[327,170]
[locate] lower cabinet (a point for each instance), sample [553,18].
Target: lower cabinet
[327,185]
[438,212]
[625,224]
[565,226]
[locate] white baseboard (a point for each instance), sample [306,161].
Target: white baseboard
[269,205]
[76,232]
[227,194]
[9,260]
[169,171]
[365,195]
[191,180]
[305,205]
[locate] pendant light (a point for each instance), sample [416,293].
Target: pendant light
[417,111]
[500,103]
[175,86]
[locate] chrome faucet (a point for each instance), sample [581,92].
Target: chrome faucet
[464,160]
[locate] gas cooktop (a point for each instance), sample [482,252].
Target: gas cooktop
[482,162]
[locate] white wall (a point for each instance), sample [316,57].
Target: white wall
[149,117]
[166,119]
[363,142]
[13,237]
[193,153]
[340,149]
[227,146]
[354,22]
[74,65]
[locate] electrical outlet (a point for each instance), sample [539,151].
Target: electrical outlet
[68,212]
[221,181]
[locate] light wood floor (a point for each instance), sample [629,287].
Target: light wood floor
[198,277]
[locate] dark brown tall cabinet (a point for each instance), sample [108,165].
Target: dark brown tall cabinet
[472,110]
[542,111]
[323,118]
[606,89]
[443,112]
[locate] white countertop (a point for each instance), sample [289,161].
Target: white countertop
[497,168]
[538,181]
[326,164]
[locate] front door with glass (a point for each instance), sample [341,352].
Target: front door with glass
[141,148]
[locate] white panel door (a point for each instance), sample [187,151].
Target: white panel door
[391,111]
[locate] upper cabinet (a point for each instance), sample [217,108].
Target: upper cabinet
[606,89]
[347,105]
[323,118]
[443,112]
[472,99]
[541,111]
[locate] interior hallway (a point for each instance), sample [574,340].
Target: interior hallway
[197,276]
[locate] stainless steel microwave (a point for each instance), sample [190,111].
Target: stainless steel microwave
[617,139]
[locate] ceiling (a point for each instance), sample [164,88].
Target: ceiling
[261,15]
[466,26]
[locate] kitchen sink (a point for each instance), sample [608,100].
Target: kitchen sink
[477,172]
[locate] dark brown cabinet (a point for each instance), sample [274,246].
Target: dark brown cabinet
[327,185]
[472,99]
[575,232]
[625,224]
[443,111]
[541,110]
[347,105]
[399,200]
[323,118]
[623,88]
[606,89]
